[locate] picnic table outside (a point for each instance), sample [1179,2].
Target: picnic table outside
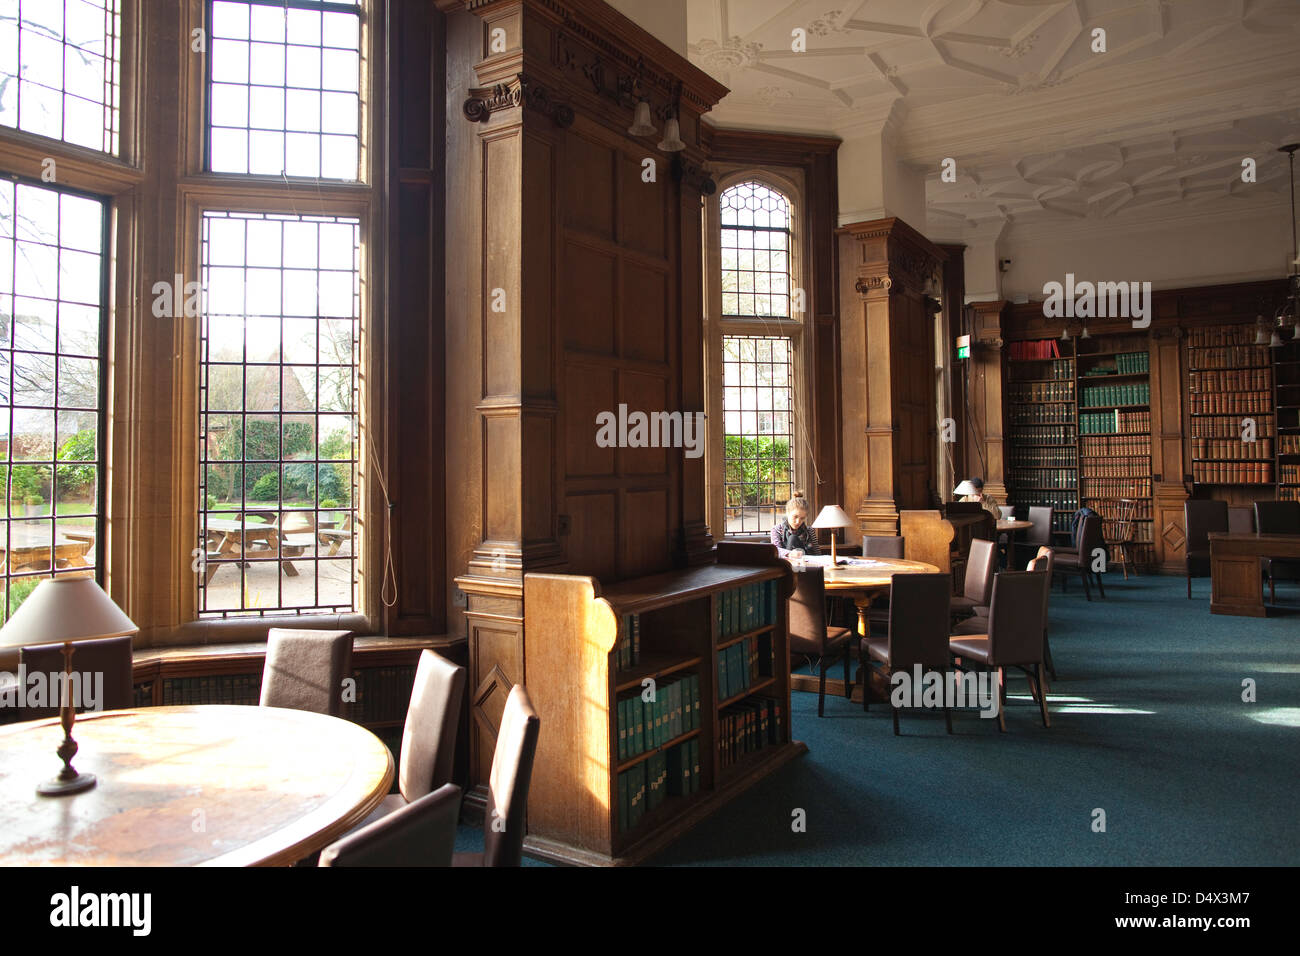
[29,549]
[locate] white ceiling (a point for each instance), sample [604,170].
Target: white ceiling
[1042,128]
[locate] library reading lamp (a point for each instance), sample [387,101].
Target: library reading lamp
[66,610]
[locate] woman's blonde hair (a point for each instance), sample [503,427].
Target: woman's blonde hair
[797,504]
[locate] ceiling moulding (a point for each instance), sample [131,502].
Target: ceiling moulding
[1262,212]
[1229,84]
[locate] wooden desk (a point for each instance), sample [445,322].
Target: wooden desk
[189,786]
[866,579]
[1235,585]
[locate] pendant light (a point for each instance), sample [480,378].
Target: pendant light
[672,141]
[641,125]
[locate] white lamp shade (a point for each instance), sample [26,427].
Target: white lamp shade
[833,516]
[641,125]
[966,488]
[672,141]
[66,608]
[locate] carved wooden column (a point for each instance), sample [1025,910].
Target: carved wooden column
[984,415]
[1167,445]
[896,270]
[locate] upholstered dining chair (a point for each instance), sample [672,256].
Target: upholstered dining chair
[1241,520]
[882,546]
[110,656]
[1014,638]
[1080,560]
[429,734]
[504,817]
[1277,517]
[918,633]
[810,637]
[304,669]
[980,569]
[422,833]
[1201,519]
[979,624]
[1038,534]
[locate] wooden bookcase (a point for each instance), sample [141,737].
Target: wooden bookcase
[572,666]
[1042,429]
[1286,385]
[1230,380]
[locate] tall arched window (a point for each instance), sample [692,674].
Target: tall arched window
[758,339]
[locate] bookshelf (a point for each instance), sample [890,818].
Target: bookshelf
[1286,397]
[1114,389]
[1042,416]
[1230,381]
[714,640]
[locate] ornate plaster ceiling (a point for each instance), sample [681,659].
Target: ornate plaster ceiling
[1041,126]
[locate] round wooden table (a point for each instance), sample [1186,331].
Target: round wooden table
[866,578]
[1010,526]
[189,786]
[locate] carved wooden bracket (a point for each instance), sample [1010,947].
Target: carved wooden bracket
[522,91]
[694,176]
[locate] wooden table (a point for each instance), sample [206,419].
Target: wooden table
[233,540]
[31,550]
[865,579]
[1010,526]
[189,786]
[1235,584]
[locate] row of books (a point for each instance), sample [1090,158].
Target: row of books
[1115,422]
[1232,473]
[1232,426]
[1042,392]
[1116,487]
[1125,363]
[1288,494]
[1102,505]
[1042,414]
[1289,445]
[1042,457]
[1062,369]
[1231,403]
[1117,467]
[1221,335]
[646,724]
[1063,505]
[1228,357]
[1237,380]
[1232,449]
[213,689]
[1288,473]
[1115,445]
[1034,349]
[643,788]
[748,726]
[1042,435]
[628,647]
[745,608]
[1132,393]
[740,665]
[1043,477]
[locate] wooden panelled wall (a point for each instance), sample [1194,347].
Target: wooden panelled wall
[573,285]
[1174,312]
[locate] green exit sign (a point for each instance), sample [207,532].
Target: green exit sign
[963,346]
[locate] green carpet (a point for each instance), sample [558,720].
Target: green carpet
[1148,725]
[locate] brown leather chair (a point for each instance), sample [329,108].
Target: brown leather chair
[918,633]
[1015,635]
[1241,521]
[504,817]
[809,635]
[979,624]
[1038,535]
[980,568]
[882,546]
[110,657]
[429,735]
[1278,517]
[422,833]
[1080,560]
[1201,519]
[305,669]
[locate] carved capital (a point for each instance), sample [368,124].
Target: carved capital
[895,259]
[521,91]
[693,176]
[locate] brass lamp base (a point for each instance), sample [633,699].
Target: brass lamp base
[61,786]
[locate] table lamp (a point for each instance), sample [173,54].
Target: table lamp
[965,488]
[65,610]
[833,516]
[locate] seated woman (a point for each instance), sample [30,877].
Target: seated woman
[988,502]
[792,537]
